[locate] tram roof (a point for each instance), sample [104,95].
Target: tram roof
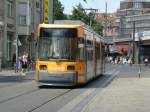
[86,27]
[72,24]
[59,25]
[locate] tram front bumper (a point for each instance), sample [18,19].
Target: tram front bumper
[57,78]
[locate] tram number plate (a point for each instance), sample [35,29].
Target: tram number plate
[56,75]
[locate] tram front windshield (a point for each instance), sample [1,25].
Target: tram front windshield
[57,43]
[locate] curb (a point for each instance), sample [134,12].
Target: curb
[84,109]
[11,76]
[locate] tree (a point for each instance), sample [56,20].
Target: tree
[58,11]
[97,27]
[79,13]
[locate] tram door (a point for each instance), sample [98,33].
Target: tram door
[89,58]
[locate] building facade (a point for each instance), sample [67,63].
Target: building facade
[107,21]
[1,30]
[8,30]
[133,16]
[18,22]
[28,16]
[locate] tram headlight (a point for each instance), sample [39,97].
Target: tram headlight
[43,67]
[70,67]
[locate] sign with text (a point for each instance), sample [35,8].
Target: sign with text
[46,10]
[145,35]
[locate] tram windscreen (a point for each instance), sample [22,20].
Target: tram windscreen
[57,43]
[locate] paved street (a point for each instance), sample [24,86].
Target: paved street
[119,90]
[70,43]
[126,93]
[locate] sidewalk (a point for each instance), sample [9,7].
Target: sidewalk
[11,74]
[124,94]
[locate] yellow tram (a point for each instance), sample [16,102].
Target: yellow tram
[68,54]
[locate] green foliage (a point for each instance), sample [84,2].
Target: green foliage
[97,27]
[58,11]
[79,13]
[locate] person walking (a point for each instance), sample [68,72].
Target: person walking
[24,60]
[146,61]
[14,62]
[19,64]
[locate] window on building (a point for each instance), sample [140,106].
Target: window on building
[37,4]
[146,4]
[23,12]
[9,8]
[137,5]
[22,20]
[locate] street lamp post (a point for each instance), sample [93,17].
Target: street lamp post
[0,50]
[16,36]
[133,43]
[139,60]
[1,27]
[91,14]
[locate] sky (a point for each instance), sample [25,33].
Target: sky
[112,5]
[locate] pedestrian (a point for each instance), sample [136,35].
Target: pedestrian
[14,61]
[24,60]
[130,62]
[29,64]
[113,60]
[19,64]
[146,61]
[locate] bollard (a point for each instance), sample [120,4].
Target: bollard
[139,74]
[0,61]
[139,71]
[0,65]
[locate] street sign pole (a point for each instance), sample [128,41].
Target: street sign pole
[139,43]
[16,49]
[0,62]
[49,11]
[16,38]
[0,51]
[133,43]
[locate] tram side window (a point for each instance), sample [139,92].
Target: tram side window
[97,51]
[81,53]
[89,50]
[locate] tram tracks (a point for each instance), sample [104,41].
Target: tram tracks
[33,99]
[11,98]
[10,84]
[81,102]
[40,97]
[58,96]
[32,91]
[3,85]
[92,93]
[49,100]
[10,92]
